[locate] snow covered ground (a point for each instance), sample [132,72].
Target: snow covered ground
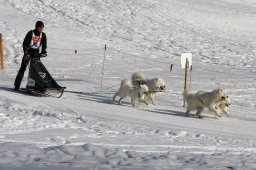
[88,130]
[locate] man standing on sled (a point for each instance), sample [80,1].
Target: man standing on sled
[33,40]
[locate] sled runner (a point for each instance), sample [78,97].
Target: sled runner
[40,81]
[49,93]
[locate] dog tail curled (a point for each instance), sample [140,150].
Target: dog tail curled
[126,84]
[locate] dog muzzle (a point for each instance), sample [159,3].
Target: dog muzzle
[162,88]
[224,97]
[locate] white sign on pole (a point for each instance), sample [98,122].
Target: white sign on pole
[185,56]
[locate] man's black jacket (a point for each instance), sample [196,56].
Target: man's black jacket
[28,38]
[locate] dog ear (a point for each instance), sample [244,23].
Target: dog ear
[223,90]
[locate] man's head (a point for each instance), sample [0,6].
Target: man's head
[39,26]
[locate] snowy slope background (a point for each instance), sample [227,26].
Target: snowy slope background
[87,130]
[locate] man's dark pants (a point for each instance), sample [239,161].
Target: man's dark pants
[20,75]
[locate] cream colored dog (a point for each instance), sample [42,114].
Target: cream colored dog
[198,101]
[224,106]
[138,76]
[154,85]
[135,92]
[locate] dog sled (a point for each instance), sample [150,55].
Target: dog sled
[40,82]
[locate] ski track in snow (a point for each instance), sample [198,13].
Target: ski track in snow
[71,132]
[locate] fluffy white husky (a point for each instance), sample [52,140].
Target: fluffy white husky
[224,106]
[154,85]
[214,101]
[138,76]
[135,92]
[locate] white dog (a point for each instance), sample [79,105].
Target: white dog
[224,106]
[154,85]
[138,76]
[211,100]
[135,92]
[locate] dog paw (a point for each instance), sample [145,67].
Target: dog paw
[227,114]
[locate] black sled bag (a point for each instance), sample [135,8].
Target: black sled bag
[39,79]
